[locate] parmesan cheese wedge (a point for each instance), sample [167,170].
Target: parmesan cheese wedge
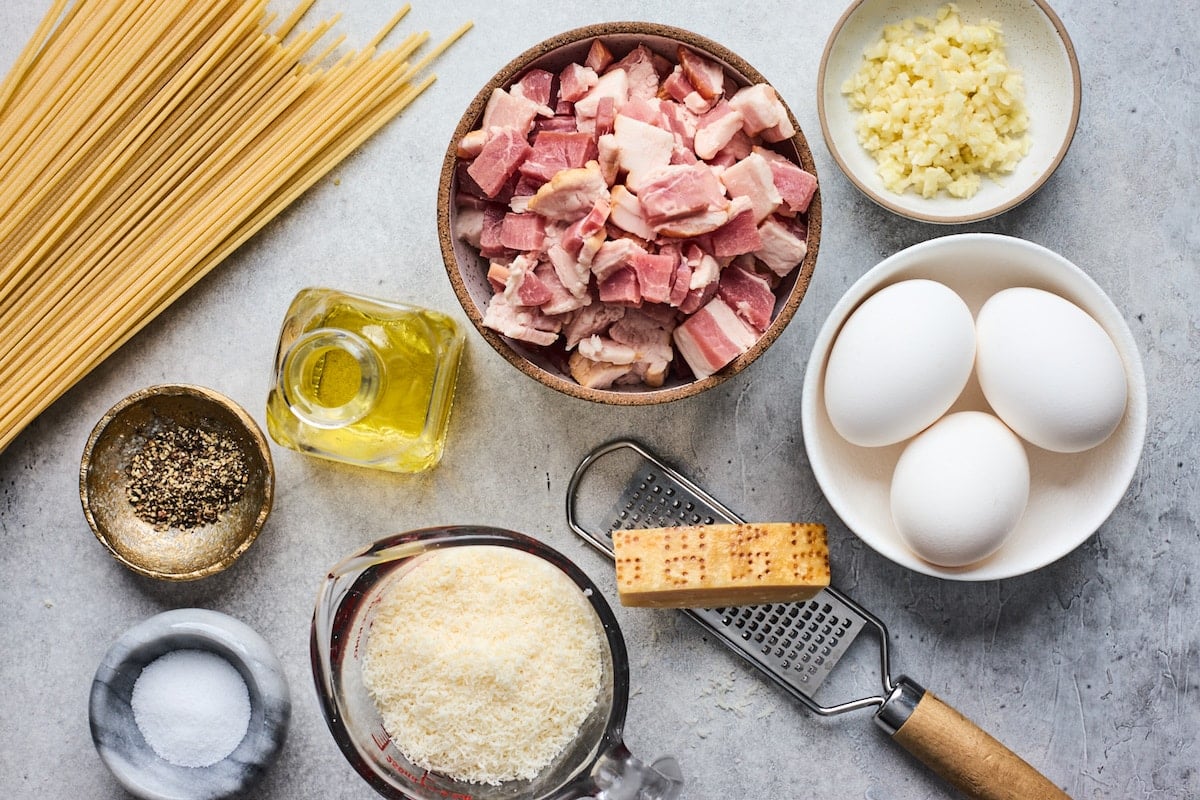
[708,566]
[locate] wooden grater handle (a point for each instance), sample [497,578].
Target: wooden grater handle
[959,750]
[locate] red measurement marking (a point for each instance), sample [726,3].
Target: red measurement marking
[382,741]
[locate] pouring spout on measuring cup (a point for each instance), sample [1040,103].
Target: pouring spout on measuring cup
[618,775]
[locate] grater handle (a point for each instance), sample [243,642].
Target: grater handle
[959,750]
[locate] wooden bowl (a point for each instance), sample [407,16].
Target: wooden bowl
[179,553]
[467,270]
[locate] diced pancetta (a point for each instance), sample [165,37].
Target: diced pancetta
[716,129]
[517,322]
[561,299]
[643,109]
[677,86]
[468,225]
[535,86]
[599,57]
[571,193]
[675,192]
[739,235]
[643,78]
[647,359]
[796,186]
[509,112]
[613,255]
[574,82]
[642,149]
[503,152]
[471,143]
[577,236]
[599,348]
[591,319]
[571,274]
[490,244]
[683,125]
[752,178]
[705,75]
[559,122]
[497,275]
[627,214]
[606,117]
[621,287]
[680,283]
[749,295]
[595,374]
[523,287]
[609,157]
[654,273]
[782,249]
[738,148]
[629,209]
[613,84]
[705,268]
[523,232]
[762,113]
[712,337]
[554,151]
[696,298]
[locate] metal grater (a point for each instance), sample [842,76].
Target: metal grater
[797,645]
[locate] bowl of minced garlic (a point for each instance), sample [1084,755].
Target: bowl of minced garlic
[948,113]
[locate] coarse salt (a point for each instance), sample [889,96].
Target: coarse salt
[192,707]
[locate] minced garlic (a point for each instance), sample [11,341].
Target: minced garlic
[940,105]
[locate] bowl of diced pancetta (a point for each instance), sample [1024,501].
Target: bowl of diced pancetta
[629,213]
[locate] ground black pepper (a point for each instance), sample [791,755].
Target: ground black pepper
[183,477]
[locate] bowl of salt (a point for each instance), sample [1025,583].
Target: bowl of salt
[189,704]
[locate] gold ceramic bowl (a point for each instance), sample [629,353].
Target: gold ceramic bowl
[467,270]
[176,554]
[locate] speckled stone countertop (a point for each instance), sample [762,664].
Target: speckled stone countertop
[1089,668]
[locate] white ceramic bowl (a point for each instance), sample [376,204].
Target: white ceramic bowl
[1036,43]
[1070,494]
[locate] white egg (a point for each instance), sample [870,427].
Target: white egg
[899,362]
[1049,370]
[960,488]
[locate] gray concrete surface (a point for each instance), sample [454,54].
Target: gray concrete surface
[1089,667]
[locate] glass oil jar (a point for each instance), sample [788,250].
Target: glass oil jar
[364,381]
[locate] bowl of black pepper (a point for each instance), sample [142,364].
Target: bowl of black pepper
[176,481]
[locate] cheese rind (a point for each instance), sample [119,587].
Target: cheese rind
[707,566]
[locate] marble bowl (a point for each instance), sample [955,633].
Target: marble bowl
[467,270]
[1036,43]
[121,744]
[172,554]
[1071,494]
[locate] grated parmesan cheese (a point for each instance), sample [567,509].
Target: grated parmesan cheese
[940,105]
[483,661]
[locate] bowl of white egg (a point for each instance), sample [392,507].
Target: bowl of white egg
[948,113]
[974,407]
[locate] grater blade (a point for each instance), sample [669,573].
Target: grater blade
[797,645]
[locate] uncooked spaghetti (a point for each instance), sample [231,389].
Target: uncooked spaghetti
[141,144]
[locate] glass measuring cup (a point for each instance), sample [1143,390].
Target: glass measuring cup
[596,764]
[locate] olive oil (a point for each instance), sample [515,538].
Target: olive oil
[364,381]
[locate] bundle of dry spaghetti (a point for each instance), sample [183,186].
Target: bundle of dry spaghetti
[141,143]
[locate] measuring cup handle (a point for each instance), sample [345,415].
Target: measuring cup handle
[959,750]
[618,775]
